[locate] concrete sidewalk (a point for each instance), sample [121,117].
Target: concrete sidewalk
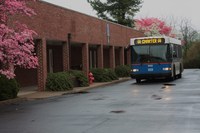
[32,94]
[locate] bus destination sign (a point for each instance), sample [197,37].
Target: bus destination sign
[149,41]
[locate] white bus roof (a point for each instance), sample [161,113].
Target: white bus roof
[154,38]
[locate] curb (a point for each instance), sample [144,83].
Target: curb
[103,84]
[13,101]
[44,95]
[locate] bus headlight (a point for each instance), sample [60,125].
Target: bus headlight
[135,70]
[167,69]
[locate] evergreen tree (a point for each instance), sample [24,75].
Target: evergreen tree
[118,11]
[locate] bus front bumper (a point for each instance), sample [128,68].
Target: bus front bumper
[150,76]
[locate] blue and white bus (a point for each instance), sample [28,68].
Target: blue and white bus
[156,57]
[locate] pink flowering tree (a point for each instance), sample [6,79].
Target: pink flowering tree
[16,40]
[153,27]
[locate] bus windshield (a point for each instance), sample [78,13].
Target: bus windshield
[151,53]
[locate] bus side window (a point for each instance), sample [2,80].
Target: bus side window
[174,54]
[175,51]
[179,51]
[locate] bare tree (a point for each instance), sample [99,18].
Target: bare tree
[189,34]
[184,30]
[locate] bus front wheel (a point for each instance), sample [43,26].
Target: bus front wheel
[180,72]
[180,75]
[172,77]
[138,80]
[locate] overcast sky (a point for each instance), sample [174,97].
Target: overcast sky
[178,9]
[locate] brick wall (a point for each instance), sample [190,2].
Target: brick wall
[83,28]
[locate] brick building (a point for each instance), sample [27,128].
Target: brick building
[71,40]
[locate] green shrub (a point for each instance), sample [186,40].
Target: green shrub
[192,59]
[104,75]
[8,88]
[123,71]
[100,75]
[195,63]
[80,77]
[60,81]
[111,74]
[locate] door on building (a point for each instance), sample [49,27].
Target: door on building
[93,58]
[54,56]
[76,56]
[50,57]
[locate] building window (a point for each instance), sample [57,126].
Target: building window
[93,58]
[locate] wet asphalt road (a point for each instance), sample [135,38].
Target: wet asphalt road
[151,107]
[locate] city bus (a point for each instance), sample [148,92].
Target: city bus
[156,57]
